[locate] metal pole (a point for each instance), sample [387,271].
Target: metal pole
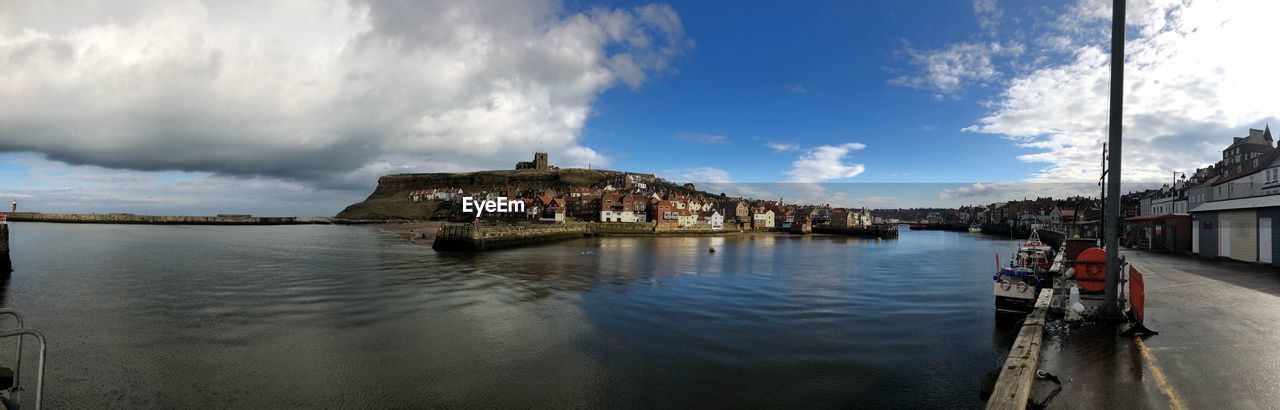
[1114,219]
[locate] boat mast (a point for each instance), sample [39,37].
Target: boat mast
[1114,219]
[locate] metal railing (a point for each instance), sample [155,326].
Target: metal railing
[19,332]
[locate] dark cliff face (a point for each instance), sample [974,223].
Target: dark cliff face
[390,200]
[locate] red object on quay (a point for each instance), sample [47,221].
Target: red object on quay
[1091,269]
[1136,293]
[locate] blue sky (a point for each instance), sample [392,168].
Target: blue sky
[812,75]
[193,106]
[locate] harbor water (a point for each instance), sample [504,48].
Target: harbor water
[354,316]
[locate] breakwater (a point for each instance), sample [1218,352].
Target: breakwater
[6,264]
[127,218]
[476,237]
[869,232]
[940,227]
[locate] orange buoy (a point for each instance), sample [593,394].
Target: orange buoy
[1091,269]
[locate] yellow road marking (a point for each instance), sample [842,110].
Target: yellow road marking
[1174,401]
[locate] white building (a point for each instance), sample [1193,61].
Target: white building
[716,220]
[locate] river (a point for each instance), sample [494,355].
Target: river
[353,316]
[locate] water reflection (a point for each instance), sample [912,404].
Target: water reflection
[353,316]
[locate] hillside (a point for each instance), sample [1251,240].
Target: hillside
[390,199]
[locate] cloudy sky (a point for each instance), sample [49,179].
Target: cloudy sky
[296,107]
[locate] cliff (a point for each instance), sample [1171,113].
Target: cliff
[389,201]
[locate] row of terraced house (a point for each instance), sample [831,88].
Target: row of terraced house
[635,198]
[1228,210]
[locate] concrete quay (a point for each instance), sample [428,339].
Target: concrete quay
[1218,347]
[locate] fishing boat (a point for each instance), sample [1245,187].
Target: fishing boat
[1017,285]
[1015,289]
[1034,243]
[975,228]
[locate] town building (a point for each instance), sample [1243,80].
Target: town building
[716,220]
[1237,218]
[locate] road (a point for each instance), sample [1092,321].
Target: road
[1218,347]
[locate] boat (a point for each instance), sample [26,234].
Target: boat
[1034,243]
[1015,289]
[1017,285]
[974,228]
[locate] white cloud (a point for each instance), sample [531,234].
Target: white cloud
[1196,75]
[327,93]
[975,190]
[716,180]
[989,15]
[697,175]
[952,69]
[703,138]
[824,163]
[782,146]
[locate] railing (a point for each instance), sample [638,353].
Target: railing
[19,332]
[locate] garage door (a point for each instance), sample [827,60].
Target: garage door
[1264,240]
[1242,237]
[1195,237]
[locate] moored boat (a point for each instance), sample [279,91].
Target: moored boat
[1017,285]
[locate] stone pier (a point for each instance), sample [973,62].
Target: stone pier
[6,265]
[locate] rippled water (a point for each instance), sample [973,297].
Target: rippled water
[321,316]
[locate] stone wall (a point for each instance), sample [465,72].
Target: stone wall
[624,228]
[472,237]
[869,232]
[121,218]
[6,264]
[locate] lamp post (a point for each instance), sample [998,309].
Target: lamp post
[1114,220]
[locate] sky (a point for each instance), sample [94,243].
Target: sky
[296,107]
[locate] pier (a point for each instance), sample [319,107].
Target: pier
[875,231]
[1216,347]
[6,264]
[128,218]
[1013,387]
[473,237]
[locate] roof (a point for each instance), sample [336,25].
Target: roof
[1155,217]
[1247,168]
[1241,203]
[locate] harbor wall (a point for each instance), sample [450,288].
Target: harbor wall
[6,264]
[872,232]
[624,229]
[474,237]
[125,218]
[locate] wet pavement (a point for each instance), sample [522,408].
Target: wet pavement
[1218,347]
